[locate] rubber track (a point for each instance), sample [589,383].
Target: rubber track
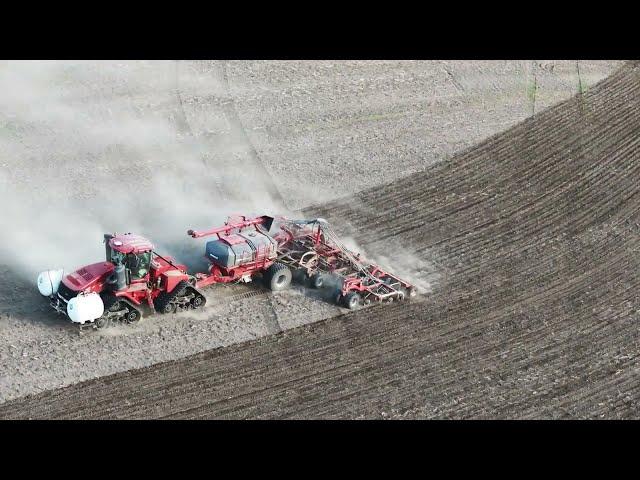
[536,232]
[165,298]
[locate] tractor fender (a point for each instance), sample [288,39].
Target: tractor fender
[130,303]
[172,278]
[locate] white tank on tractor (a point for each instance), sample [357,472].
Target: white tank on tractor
[49,282]
[85,308]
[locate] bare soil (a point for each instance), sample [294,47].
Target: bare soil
[534,314]
[159,147]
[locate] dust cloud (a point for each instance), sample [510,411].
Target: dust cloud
[93,147]
[404,263]
[88,148]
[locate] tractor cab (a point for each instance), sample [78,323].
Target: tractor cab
[131,254]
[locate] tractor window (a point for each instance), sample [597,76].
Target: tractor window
[138,264]
[117,257]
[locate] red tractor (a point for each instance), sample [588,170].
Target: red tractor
[133,279]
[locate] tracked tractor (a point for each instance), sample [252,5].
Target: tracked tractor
[132,281]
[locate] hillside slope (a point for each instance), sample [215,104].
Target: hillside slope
[534,233]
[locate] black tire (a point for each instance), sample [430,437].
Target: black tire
[198,301]
[337,296]
[300,276]
[278,277]
[352,300]
[132,316]
[317,280]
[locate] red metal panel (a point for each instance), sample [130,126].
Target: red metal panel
[130,243]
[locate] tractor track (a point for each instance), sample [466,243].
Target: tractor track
[183,126]
[233,119]
[537,231]
[251,161]
[255,163]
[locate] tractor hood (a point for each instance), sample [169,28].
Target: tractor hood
[89,277]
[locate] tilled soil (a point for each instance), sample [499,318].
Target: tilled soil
[330,129]
[159,147]
[54,354]
[534,234]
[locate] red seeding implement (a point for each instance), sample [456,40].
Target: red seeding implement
[307,248]
[243,248]
[315,253]
[135,279]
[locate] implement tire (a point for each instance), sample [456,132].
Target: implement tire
[317,280]
[352,300]
[278,277]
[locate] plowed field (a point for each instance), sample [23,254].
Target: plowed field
[535,235]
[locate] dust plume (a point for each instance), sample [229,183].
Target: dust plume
[93,147]
[402,262]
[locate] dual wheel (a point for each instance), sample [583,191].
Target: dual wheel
[277,277]
[351,300]
[317,280]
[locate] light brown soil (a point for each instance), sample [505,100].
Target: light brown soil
[160,147]
[534,234]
